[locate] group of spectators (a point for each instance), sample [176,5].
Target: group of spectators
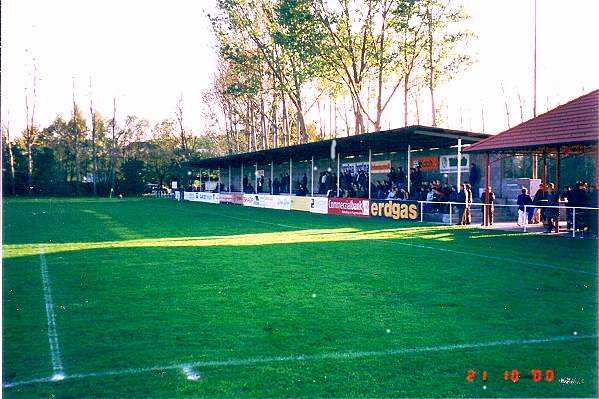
[544,207]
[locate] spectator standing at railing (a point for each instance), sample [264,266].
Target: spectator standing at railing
[552,212]
[461,204]
[539,199]
[522,201]
[468,205]
[491,206]
[474,177]
[401,177]
[564,198]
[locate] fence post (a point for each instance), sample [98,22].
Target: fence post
[421,211]
[574,222]
[526,221]
[450,214]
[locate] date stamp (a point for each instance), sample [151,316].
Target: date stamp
[515,375]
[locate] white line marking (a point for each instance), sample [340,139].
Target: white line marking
[189,373]
[565,269]
[52,334]
[307,358]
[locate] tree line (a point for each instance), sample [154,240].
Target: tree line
[342,62]
[98,156]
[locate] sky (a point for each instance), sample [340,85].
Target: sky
[147,54]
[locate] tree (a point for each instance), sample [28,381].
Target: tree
[445,57]
[31,131]
[8,145]
[133,178]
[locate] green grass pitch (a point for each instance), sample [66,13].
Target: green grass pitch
[266,303]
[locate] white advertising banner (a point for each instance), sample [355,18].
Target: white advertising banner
[212,198]
[277,202]
[449,163]
[254,200]
[319,205]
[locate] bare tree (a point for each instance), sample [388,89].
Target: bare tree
[11,158]
[521,102]
[113,148]
[507,109]
[94,152]
[182,135]
[31,132]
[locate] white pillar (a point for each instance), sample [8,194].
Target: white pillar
[271,175]
[369,174]
[338,168]
[218,187]
[208,178]
[256,179]
[459,164]
[229,178]
[312,178]
[409,168]
[241,178]
[200,179]
[290,174]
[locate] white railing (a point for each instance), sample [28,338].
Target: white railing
[451,204]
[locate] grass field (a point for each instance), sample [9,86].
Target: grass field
[266,303]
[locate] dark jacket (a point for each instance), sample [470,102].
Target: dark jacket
[523,199]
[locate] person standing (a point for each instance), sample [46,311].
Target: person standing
[461,206]
[468,205]
[474,177]
[552,212]
[522,201]
[490,208]
[539,199]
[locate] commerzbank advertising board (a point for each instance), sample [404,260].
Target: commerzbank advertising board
[349,206]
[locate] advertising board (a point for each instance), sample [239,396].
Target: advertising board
[349,206]
[381,166]
[449,163]
[394,209]
[301,203]
[212,198]
[276,201]
[254,200]
[430,164]
[319,205]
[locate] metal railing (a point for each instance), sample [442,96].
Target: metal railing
[583,211]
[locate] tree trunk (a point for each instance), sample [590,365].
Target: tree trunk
[29,168]
[431,66]
[405,100]
[286,132]
[11,160]
[113,149]
[94,154]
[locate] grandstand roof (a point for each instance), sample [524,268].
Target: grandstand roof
[418,137]
[576,122]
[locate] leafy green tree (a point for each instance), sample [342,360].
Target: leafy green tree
[132,176]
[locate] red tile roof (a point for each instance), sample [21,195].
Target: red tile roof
[575,122]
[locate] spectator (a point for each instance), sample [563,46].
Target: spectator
[468,203]
[522,201]
[474,177]
[539,199]
[552,213]
[491,207]
[565,199]
[305,181]
[461,205]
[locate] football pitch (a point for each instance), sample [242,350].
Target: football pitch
[157,298]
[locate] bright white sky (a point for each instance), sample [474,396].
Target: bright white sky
[148,53]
